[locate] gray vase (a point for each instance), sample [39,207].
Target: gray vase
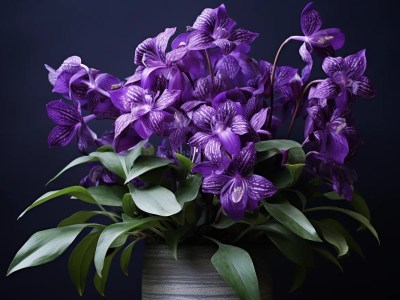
[193,276]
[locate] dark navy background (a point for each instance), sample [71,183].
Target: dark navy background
[105,34]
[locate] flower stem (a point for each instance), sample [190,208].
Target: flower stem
[273,79]
[298,101]
[209,65]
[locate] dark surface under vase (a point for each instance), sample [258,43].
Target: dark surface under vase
[193,276]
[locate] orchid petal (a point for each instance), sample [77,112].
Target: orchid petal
[167,99]
[229,140]
[356,64]
[61,135]
[202,117]
[199,140]
[123,122]
[62,113]
[213,184]
[310,20]
[212,150]
[325,90]
[331,65]
[259,188]
[363,88]
[245,160]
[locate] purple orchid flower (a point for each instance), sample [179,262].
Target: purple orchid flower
[327,131]
[239,190]
[323,42]
[98,175]
[70,123]
[143,108]
[180,130]
[219,127]
[213,28]
[346,77]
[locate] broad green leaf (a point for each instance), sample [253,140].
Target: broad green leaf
[81,260]
[82,216]
[114,231]
[75,191]
[172,237]
[333,237]
[133,154]
[184,162]
[300,274]
[189,190]
[289,176]
[353,245]
[293,247]
[327,255]
[45,246]
[128,206]
[107,194]
[145,164]
[280,145]
[156,200]
[235,266]
[296,155]
[100,281]
[293,219]
[120,241]
[126,256]
[75,162]
[112,162]
[358,217]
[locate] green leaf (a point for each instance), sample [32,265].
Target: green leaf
[280,145]
[293,219]
[114,231]
[126,256]
[75,162]
[300,275]
[332,195]
[112,162]
[360,206]
[235,266]
[74,191]
[128,206]
[189,190]
[82,216]
[107,194]
[133,154]
[81,259]
[172,237]
[155,200]
[100,281]
[333,237]
[145,164]
[184,162]
[45,246]
[353,245]
[327,255]
[358,217]
[293,247]
[296,155]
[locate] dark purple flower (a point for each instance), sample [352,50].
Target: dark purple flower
[328,133]
[143,108]
[346,77]
[218,127]
[323,42]
[70,123]
[98,175]
[213,28]
[179,131]
[239,190]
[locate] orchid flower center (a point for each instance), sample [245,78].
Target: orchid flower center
[219,126]
[220,33]
[237,194]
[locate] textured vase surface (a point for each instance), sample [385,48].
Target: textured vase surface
[192,276]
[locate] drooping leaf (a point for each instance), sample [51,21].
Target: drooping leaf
[293,247]
[126,256]
[280,145]
[112,162]
[100,281]
[333,237]
[328,256]
[155,200]
[128,206]
[358,217]
[235,266]
[360,206]
[75,162]
[189,190]
[45,246]
[107,194]
[353,245]
[173,237]
[75,191]
[114,231]
[145,164]
[300,274]
[82,216]
[81,260]
[293,219]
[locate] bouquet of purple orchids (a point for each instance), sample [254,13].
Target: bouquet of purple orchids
[199,151]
